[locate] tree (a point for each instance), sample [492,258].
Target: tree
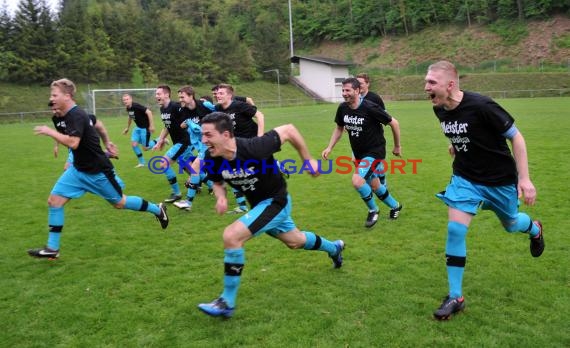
[34,34]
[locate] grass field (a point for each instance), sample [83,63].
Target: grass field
[121,281]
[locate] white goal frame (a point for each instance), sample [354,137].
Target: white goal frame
[94,92]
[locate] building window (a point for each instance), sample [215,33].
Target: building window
[338,80]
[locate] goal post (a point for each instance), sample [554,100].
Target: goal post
[109,101]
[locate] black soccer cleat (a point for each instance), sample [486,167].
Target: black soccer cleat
[395,213]
[448,307]
[173,198]
[537,243]
[162,217]
[44,253]
[371,219]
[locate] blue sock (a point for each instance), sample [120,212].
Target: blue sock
[234,260]
[151,144]
[139,204]
[524,224]
[55,222]
[456,255]
[138,152]
[316,242]
[171,176]
[194,184]
[365,192]
[209,183]
[384,195]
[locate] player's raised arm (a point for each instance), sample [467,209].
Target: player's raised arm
[289,133]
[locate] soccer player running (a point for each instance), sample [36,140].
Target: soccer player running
[193,110]
[366,93]
[363,122]
[144,127]
[91,171]
[485,174]
[172,116]
[242,114]
[248,165]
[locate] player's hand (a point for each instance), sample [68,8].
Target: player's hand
[113,150]
[526,189]
[151,129]
[221,205]
[451,150]
[314,167]
[42,130]
[125,131]
[183,125]
[325,153]
[55,150]
[159,145]
[397,151]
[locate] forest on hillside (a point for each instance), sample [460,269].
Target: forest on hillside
[145,41]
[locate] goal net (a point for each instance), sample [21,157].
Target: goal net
[109,102]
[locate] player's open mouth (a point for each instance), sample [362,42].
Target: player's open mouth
[431,96]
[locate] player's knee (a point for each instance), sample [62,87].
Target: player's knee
[230,238]
[55,201]
[357,182]
[374,183]
[120,204]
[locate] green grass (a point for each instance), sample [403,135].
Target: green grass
[121,281]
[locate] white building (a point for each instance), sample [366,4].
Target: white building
[322,77]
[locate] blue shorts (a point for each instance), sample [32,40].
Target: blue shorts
[271,216]
[366,171]
[141,136]
[179,151]
[73,184]
[464,195]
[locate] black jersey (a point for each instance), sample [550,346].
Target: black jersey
[364,128]
[475,128]
[253,171]
[242,115]
[88,156]
[172,116]
[198,113]
[375,98]
[137,112]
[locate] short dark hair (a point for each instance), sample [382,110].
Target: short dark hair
[188,90]
[353,81]
[221,121]
[164,88]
